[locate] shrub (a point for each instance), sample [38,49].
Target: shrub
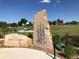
[30,35]
[69,50]
[1,36]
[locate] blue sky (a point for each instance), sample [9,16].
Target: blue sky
[14,10]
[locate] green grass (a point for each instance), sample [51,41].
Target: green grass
[73,30]
[24,33]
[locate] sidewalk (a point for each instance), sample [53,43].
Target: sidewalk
[22,53]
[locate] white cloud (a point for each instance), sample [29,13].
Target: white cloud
[45,1]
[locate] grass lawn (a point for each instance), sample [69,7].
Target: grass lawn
[73,30]
[63,29]
[24,33]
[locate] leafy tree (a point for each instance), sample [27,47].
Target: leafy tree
[30,24]
[54,22]
[3,24]
[3,28]
[50,22]
[22,22]
[74,22]
[67,23]
[19,23]
[13,24]
[59,21]
[71,23]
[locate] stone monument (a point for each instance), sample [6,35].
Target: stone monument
[17,40]
[42,35]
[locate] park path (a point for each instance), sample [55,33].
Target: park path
[22,53]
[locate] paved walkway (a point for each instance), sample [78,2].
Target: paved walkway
[22,53]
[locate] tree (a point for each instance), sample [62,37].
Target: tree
[19,23]
[54,22]
[30,24]
[14,24]
[22,22]
[3,24]
[50,22]
[59,21]
[67,23]
[74,22]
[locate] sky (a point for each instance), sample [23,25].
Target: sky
[13,10]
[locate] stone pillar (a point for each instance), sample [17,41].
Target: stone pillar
[42,35]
